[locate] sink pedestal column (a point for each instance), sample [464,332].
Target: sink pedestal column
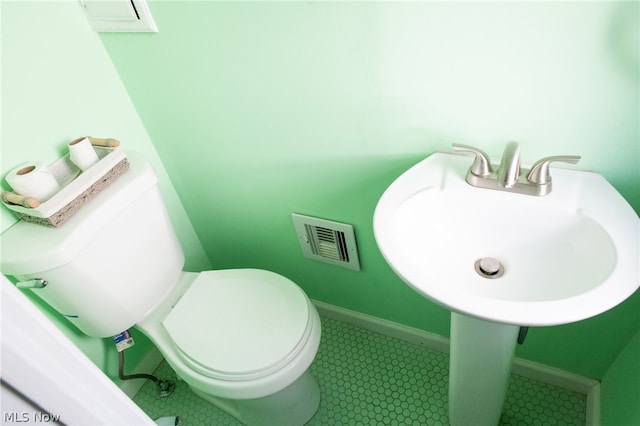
[480,364]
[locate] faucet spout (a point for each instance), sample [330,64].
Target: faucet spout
[509,170]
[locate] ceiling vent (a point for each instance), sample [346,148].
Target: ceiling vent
[327,241]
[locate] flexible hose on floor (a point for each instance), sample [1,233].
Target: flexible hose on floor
[165,387]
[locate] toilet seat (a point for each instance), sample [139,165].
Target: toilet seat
[239,324]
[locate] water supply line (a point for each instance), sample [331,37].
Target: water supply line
[165,387]
[522,334]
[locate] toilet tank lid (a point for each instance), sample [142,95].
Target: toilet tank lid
[29,248]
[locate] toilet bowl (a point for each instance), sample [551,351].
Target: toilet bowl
[242,339]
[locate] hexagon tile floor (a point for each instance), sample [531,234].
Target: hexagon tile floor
[367,378]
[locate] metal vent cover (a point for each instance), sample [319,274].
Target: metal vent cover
[327,241]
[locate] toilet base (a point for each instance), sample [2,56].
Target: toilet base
[292,406]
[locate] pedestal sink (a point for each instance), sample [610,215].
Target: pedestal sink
[501,260]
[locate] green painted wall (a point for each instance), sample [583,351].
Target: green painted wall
[620,390]
[58,83]
[261,109]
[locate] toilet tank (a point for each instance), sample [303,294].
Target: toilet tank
[110,263]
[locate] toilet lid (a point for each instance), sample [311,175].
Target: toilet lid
[239,324]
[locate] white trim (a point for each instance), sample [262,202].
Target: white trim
[593,406]
[553,376]
[382,326]
[522,367]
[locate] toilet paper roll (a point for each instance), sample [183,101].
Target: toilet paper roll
[82,154]
[33,180]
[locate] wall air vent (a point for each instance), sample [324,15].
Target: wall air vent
[327,241]
[119,15]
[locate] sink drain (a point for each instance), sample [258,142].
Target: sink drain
[488,267]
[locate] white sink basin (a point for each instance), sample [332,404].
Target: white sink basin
[567,256]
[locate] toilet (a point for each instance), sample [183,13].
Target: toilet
[242,339]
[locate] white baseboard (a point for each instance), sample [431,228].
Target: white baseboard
[382,326]
[148,364]
[553,376]
[593,406]
[522,367]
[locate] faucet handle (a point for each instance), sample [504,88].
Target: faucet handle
[481,165]
[539,173]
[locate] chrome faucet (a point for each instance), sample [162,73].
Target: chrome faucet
[509,176]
